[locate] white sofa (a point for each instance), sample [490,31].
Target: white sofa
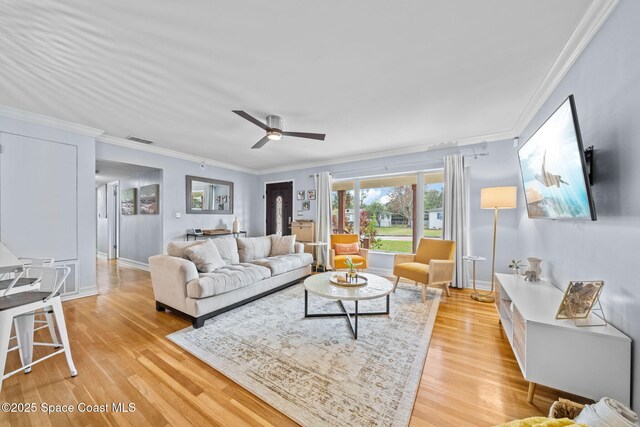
[249,273]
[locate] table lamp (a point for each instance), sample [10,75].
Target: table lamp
[495,198]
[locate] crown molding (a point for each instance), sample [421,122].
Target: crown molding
[498,136]
[122,142]
[41,119]
[593,18]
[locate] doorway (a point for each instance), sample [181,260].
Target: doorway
[279,208]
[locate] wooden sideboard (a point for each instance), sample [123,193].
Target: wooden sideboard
[590,361]
[305,232]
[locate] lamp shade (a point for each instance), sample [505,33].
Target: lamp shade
[498,198]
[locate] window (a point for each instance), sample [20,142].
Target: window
[279,217]
[388,217]
[342,209]
[433,204]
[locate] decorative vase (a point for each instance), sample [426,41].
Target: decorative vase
[352,276]
[534,270]
[516,271]
[236,226]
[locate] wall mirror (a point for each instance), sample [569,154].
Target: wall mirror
[209,196]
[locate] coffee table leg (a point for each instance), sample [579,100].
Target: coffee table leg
[355,332]
[306,303]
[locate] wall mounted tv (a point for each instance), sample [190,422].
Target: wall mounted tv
[554,171]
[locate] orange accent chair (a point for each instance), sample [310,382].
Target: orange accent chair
[432,264]
[339,261]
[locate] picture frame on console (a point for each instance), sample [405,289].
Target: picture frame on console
[579,299]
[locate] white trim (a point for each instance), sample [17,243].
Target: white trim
[82,293]
[593,18]
[294,199]
[101,255]
[483,285]
[379,271]
[41,119]
[121,142]
[134,264]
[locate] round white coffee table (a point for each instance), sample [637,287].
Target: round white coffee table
[319,284]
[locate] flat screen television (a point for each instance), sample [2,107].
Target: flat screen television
[554,170]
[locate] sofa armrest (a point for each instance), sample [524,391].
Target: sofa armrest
[169,277]
[298,248]
[402,258]
[441,271]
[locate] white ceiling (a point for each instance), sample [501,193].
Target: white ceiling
[107,171]
[375,76]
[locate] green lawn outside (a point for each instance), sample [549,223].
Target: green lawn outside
[404,231]
[395,246]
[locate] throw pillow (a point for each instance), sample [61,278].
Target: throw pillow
[206,257]
[251,248]
[177,249]
[282,245]
[347,248]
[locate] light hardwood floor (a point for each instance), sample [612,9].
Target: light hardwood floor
[470,378]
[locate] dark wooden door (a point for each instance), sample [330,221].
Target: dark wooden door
[279,208]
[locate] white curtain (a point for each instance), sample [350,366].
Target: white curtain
[455,212]
[323,215]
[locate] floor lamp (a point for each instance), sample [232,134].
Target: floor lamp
[495,198]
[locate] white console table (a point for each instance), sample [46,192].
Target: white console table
[592,361]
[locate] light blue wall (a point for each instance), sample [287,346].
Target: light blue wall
[172,190]
[85,245]
[606,83]
[141,234]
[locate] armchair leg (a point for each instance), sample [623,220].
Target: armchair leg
[424,293]
[446,288]
[395,285]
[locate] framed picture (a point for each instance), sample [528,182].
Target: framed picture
[311,194]
[301,194]
[149,199]
[306,205]
[129,201]
[579,299]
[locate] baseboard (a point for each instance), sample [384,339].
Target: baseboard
[86,292]
[481,284]
[379,271]
[135,264]
[102,255]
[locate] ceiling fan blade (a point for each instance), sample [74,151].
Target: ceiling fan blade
[318,136]
[252,119]
[261,143]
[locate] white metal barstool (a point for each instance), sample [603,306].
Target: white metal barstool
[21,307]
[29,279]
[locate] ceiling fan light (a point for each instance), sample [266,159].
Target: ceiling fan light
[274,136]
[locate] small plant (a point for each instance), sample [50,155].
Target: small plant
[516,265]
[352,266]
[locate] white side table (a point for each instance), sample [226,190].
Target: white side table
[473,259]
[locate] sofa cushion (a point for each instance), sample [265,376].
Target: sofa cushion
[251,248]
[282,245]
[206,257]
[283,263]
[226,279]
[177,248]
[228,249]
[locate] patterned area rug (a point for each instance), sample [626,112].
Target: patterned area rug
[311,369]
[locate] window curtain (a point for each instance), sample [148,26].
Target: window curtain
[323,214]
[455,212]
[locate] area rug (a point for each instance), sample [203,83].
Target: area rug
[311,369]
